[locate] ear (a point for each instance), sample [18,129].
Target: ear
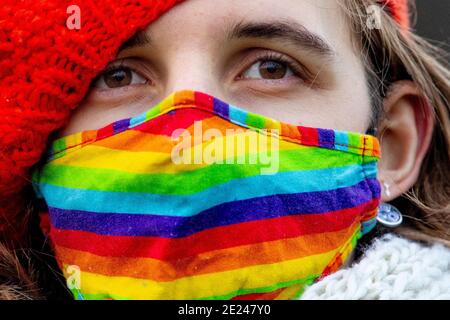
[405,135]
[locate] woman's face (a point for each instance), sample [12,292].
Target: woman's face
[291,60]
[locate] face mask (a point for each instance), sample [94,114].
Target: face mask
[198,199]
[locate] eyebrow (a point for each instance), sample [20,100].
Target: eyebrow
[140,39]
[284,30]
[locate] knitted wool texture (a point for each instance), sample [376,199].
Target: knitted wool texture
[393,268]
[46,70]
[399,10]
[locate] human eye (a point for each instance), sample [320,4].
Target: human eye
[272,66]
[119,75]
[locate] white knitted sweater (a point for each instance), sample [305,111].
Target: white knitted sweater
[393,268]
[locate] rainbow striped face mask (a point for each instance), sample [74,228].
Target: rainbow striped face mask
[198,199]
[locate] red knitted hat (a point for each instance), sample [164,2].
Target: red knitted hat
[399,11]
[46,70]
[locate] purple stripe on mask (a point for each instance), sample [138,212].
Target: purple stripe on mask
[119,224]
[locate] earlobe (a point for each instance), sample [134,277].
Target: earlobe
[405,134]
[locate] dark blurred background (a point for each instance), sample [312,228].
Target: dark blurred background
[433,21]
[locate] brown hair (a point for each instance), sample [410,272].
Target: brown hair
[390,54]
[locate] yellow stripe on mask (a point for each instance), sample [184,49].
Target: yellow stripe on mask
[199,287]
[162,162]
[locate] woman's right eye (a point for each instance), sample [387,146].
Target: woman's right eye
[118,77]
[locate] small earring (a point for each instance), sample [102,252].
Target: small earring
[389,216]
[386,189]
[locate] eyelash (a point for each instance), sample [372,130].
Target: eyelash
[298,70]
[122,64]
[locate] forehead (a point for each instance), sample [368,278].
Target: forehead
[201,18]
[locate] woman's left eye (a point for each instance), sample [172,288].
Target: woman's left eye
[119,77]
[268,70]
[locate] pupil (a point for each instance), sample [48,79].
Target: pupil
[119,76]
[272,70]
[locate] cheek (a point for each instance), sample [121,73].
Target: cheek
[348,106]
[94,114]
[346,110]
